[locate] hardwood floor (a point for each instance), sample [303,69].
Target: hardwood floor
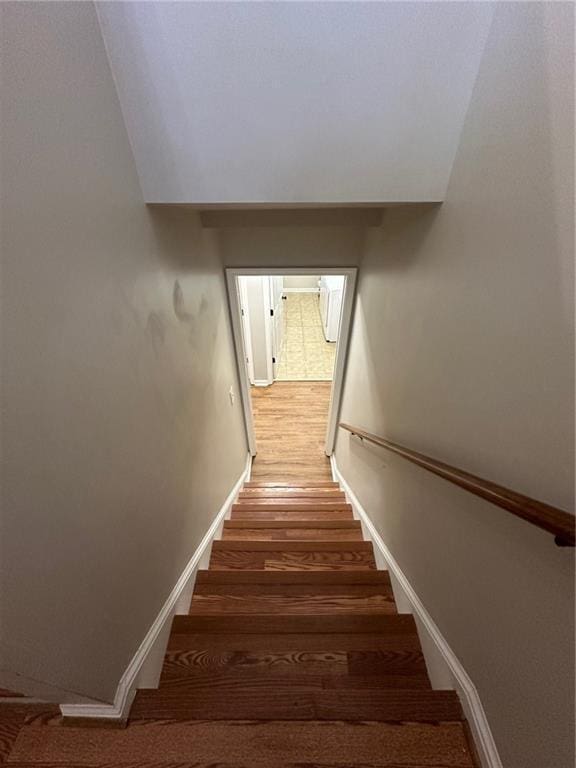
[290,419]
[292,655]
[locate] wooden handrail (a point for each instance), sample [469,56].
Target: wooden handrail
[555,521]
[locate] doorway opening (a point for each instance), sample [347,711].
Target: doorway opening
[291,328]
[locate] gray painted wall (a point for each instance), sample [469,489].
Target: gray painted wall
[463,349]
[119,440]
[291,246]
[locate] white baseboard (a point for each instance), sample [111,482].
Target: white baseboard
[261,383]
[144,669]
[444,667]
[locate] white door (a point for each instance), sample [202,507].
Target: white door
[277,320]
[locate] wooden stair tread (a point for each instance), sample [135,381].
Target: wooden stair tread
[191,680]
[287,516]
[291,498]
[292,561]
[292,471]
[400,642]
[289,534]
[289,491]
[249,700]
[300,496]
[266,744]
[291,505]
[284,605]
[292,484]
[364,666]
[289,598]
[14,717]
[292,546]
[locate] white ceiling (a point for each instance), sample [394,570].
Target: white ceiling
[294,102]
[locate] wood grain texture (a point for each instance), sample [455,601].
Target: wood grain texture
[403,641]
[287,602]
[239,513]
[292,561]
[276,598]
[320,494]
[288,671]
[291,484]
[297,505]
[310,578]
[281,525]
[11,721]
[259,700]
[288,534]
[14,717]
[375,668]
[293,546]
[389,625]
[290,420]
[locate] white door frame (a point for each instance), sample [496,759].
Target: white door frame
[246,321]
[246,330]
[350,273]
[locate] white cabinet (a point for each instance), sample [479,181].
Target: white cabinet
[331,292]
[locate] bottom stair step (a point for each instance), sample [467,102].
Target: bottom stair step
[250,745]
[255,700]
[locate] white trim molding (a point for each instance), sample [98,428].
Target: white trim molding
[144,669]
[444,667]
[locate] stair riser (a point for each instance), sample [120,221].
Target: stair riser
[322,506]
[291,534]
[309,578]
[259,702]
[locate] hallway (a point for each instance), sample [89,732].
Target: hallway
[305,352]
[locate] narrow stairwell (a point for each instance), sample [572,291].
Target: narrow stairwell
[292,655]
[293,652]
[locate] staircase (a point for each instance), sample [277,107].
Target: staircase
[293,653]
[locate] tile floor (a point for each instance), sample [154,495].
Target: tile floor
[305,355]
